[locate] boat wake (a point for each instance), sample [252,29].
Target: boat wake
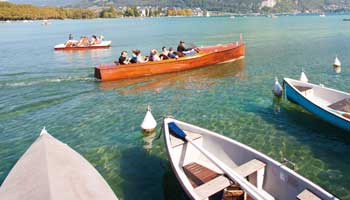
[31,82]
[41,103]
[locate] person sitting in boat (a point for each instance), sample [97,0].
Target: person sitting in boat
[172,54]
[123,59]
[186,51]
[133,58]
[71,42]
[139,57]
[154,55]
[86,41]
[164,54]
[94,40]
[83,42]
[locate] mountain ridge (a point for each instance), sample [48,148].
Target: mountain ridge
[238,6]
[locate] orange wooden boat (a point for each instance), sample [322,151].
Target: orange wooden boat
[207,56]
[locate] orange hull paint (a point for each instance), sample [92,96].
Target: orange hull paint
[207,56]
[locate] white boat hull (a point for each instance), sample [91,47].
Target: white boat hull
[279,182]
[318,100]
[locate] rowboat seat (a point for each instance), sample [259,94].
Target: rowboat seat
[175,141]
[302,88]
[205,182]
[307,195]
[342,105]
[307,91]
[250,167]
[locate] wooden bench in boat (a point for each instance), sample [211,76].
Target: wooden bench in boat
[175,141]
[342,105]
[307,91]
[302,88]
[205,181]
[250,168]
[307,195]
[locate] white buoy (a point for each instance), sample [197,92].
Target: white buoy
[149,123]
[303,77]
[277,88]
[337,63]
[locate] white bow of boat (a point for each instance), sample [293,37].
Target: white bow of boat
[303,77]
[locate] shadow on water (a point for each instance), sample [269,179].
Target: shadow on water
[201,78]
[146,173]
[141,173]
[300,117]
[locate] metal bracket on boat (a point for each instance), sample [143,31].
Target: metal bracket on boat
[288,163]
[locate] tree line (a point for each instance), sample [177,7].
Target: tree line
[10,11]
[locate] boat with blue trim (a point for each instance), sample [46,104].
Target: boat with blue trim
[331,105]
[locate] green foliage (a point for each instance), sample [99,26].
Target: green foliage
[311,4]
[110,12]
[131,12]
[237,6]
[285,6]
[179,12]
[9,11]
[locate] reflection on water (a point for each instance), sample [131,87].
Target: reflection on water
[148,140]
[276,103]
[337,69]
[203,78]
[73,56]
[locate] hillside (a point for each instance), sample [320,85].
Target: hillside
[46,2]
[238,6]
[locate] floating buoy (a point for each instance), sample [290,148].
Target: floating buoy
[277,88]
[149,123]
[303,77]
[337,65]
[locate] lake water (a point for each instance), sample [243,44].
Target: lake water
[40,87]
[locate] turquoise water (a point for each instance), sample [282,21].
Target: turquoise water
[40,87]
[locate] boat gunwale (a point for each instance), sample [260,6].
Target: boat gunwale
[94,46]
[286,80]
[248,148]
[200,55]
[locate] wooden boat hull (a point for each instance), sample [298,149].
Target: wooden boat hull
[200,78]
[209,56]
[103,45]
[219,47]
[278,181]
[321,111]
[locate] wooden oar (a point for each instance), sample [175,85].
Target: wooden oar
[246,185]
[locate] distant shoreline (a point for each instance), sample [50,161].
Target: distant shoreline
[236,15]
